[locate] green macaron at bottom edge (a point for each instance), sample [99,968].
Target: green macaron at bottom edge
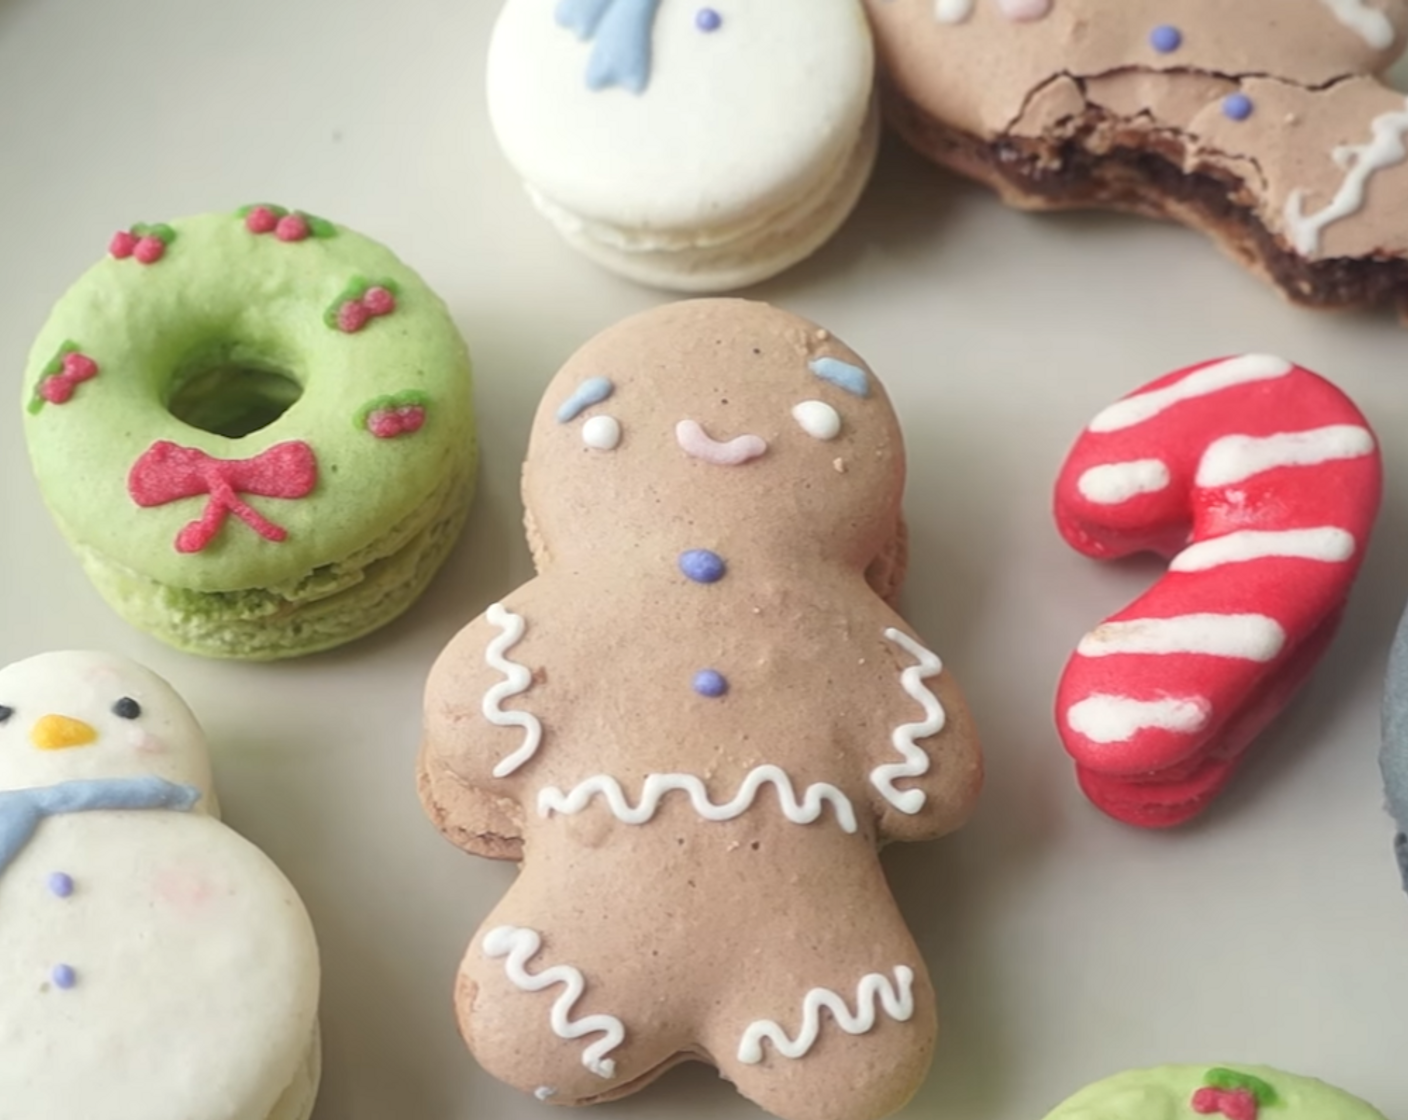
[264,624]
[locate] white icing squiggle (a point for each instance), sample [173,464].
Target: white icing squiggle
[1117,719]
[695,441]
[916,762]
[517,679]
[953,11]
[874,991]
[1246,637]
[1234,459]
[1360,162]
[799,811]
[1327,545]
[520,946]
[1370,24]
[1201,383]
[1112,484]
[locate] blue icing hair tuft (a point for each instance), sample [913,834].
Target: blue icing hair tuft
[843,375]
[621,31]
[592,391]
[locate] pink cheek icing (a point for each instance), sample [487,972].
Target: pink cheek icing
[695,442]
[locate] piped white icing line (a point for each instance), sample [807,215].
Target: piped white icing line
[802,810]
[873,992]
[1246,637]
[696,442]
[1327,545]
[517,679]
[916,761]
[1233,459]
[1113,483]
[520,946]
[1024,11]
[1117,719]
[953,11]
[1201,383]
[1372,25]
[1360,162]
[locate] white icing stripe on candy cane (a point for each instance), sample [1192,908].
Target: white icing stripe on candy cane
[1327,545]
[804,811]
[1372,25]
[1113,483]
[1234,459]
[1248,637]
[874,991]
[1360,162]
[916,762]
[1200,383]
[517,679]
[520,946]
[1117,719]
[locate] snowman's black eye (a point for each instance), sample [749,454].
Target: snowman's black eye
[127,708]
[5,712]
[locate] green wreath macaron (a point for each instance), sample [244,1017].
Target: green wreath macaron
[255,428]
[1228,1092]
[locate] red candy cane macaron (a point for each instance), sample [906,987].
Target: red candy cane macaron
[1261,482]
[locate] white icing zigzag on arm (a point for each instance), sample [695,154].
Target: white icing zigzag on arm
[874,989]
[1360,162]
[520,946]
[799,811]
[904,737]
[517,679]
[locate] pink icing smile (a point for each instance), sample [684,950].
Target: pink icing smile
[696,442]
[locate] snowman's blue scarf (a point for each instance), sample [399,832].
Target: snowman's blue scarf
[22,810]
[621,30]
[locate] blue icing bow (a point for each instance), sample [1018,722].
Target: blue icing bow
[621,30]
[23,810]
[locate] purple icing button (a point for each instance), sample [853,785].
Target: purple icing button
[60,885]
[1237,106]
[710,683]
[702,566]
[64,976]
[1166,39]
[706,19]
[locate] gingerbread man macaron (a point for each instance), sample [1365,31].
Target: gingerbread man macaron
[697,725]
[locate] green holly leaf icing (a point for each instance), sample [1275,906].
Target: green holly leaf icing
[356,288]
[53,366]
[318,227]
[411,398]
[1220,1078]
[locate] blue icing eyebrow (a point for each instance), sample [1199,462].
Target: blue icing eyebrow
[621,30]
[843,375]
[592,391]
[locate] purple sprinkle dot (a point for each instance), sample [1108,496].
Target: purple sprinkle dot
[60,884]
[702,566]
[706,19]
[710,683]
[1166,39]
[64,976]
[1237,106]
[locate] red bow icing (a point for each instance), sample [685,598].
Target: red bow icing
[167,472]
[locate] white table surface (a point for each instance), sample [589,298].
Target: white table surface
[1064,947]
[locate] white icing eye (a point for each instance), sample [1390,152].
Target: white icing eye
[818,419]
[602,433]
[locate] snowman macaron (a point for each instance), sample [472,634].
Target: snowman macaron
[155,964]
[695,145]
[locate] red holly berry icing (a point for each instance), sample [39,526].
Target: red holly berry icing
[1237,1096]
[60,378]
[167,472]
[286,225]
[147,244]
[359,303]
[401,414]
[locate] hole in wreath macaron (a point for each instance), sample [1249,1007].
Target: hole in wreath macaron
[231,397]
[260,443]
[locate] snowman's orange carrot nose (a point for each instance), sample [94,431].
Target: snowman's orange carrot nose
[53,733]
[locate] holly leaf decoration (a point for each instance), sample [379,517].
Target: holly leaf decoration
[1230,1079]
